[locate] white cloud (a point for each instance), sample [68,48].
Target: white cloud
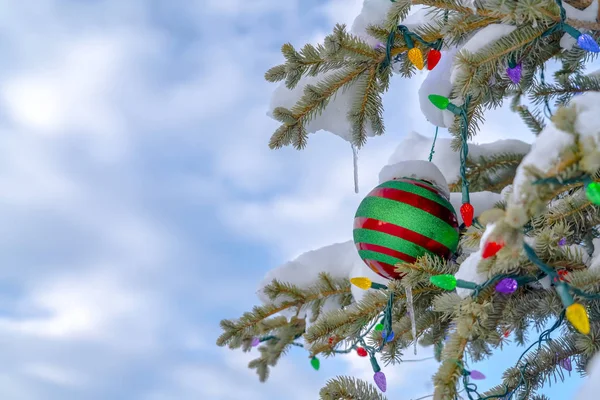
[404,379]
[54,374]
[87,307]
[31,175]
[69,92]
[342,11]
[127,129]
[321,194]
[237,7]
[228,378]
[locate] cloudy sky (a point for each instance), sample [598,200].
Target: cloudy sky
[141,203]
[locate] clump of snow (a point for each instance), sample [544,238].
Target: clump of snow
[578,250]
[438,82]
[373,12]
[468,4]
[337,259]
[545,283]
[468,268]
[588,14]
[448,164]
[595,260]
[591,386]
[506,192]
[333,119]
[415,146]
[481,39]
[544,152]
[418,17]
[468,272]
[551,141]
[588,118]
[567,42]
[418,169]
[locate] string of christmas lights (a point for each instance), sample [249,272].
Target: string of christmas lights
[381,324]
[506,284]
[414,54]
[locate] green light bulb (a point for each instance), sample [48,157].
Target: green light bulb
[446,282]
[440,102]
[315,363]
[593,192]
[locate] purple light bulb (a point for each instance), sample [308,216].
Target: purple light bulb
[255,341]
[507,286]
[588,43]
[565,363]
[476,375]
[562,241]
[514,73]
[380,381]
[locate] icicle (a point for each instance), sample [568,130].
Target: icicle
[411,311]
[355,162]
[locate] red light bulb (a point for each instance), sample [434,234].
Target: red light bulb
[490,249]
[466,212]
[563,274]
[361,352]
[433,58]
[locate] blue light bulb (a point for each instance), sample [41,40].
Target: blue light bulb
[588,43]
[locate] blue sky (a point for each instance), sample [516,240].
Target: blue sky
[141,203]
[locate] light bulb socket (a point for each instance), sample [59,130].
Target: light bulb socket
[375,365]
[563,293]
[570,30]
[378,286]
[454,109]
[466,285]
[406,34]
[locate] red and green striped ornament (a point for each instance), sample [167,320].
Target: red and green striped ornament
[401,220]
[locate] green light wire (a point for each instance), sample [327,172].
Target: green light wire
[409,38]
[563,13]
[433,144]
[464,151]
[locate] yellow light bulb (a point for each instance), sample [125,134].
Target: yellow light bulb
[578,317]
[361,282]
[416,57]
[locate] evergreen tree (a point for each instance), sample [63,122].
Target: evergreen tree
[530,261]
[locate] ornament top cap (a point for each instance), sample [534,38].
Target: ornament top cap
[419,170]
[433,184]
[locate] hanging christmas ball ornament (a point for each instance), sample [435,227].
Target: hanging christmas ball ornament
[401,220]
